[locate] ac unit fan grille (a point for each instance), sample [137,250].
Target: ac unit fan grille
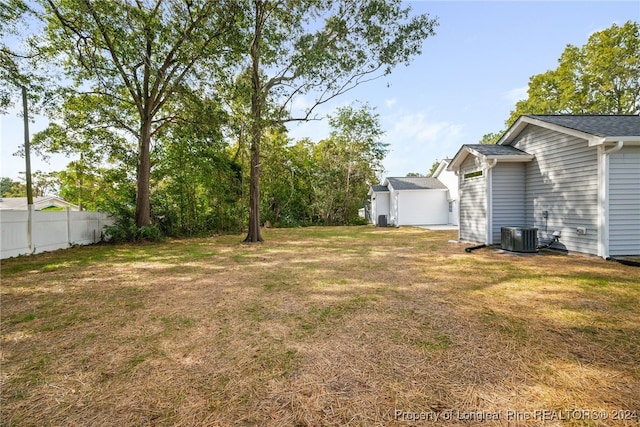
[519,239]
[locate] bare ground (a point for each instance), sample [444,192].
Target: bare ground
[318,327]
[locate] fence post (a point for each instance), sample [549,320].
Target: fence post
[68,226]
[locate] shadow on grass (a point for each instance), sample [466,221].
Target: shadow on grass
[315,326]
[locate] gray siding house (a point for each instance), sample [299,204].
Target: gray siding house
[574,174]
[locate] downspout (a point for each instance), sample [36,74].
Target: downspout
[603,199]
[615,148]
[457,174]
[489,193]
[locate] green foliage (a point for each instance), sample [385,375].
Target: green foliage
[325,182]
[11,77]
[169,103]
[118,199]
[601,77]
[23,65]
[489,138]
[196,184]
[129,61]
[320,49]
[133,233]
[287,177]
[7,186]
[434,166]
[352,159]
[96,188]
[43,184]
[80,129]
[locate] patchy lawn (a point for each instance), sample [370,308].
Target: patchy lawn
[317,326]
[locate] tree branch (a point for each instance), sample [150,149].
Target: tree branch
[137,97]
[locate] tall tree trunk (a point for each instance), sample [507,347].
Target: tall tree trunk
[347,195]
[143,205]
[254,234]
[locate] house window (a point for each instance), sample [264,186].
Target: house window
[450,207]
[472,174]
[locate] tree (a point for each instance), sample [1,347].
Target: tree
[357,138]
[11,76]
[43,184]
[324,182]
[489,138]
[129,59]
[6,186]
[434,166]
[414,175]
[14,78]
[601,77]
[287,176]
[22,66]
[18,189]
[197,185]
[322,49]
[346,164]
[80,129]
[80,185]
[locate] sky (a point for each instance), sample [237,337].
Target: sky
[463,85]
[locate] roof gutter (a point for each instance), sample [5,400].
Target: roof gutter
[602,140]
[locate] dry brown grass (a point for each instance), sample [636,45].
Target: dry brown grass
[315,327]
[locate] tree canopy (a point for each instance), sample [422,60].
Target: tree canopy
[130,59]
[179,95]
[319,49]
[601,77]
[11,76]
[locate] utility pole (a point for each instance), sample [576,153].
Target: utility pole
[27,157]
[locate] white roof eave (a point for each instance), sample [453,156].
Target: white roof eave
[514,158]
[523,121]
[630,140]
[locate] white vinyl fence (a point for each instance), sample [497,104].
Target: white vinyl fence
[50,230]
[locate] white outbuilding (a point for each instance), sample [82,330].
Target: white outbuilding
[409,201]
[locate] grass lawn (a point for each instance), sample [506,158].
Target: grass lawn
[355,326]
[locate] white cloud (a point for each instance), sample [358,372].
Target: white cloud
[301,103]
[516,94]
[416,141]
[314,129]
[417,128]
[390,102]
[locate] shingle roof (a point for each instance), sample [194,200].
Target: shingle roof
[416,183]
[491,150]
[39,203]
[488,152]
[379,188]
[599,125]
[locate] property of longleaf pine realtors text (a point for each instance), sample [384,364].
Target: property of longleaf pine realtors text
[515,415]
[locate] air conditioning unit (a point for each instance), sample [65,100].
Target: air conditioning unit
[382,221]
[519,239]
